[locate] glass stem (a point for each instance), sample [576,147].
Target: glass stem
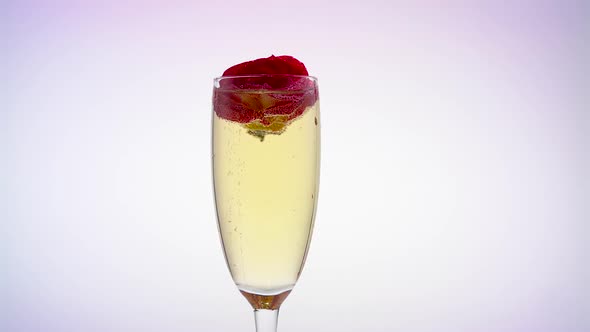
[266,320]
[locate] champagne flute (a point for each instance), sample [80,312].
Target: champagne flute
[266,157]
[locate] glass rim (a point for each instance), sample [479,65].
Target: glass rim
[220,78]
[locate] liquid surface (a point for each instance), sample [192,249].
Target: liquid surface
[266,194]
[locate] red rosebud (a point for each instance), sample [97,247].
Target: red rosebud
[247,98]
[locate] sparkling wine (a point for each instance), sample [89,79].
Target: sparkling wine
[266,189]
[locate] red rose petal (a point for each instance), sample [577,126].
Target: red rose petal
[282,64]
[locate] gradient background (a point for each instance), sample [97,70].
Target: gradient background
[454,187]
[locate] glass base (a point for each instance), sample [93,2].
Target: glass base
[270,302]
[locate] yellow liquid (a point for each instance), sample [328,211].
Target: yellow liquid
[266,193]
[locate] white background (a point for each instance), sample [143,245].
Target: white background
[453,192]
